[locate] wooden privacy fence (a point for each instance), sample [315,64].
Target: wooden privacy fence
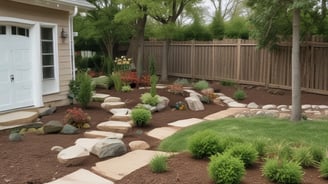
[241,61]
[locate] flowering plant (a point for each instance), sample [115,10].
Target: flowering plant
[122,64]
[77,117]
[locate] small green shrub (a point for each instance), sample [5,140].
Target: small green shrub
[324,168]
[101,81]
[282,171]
[226,169]
[200,85]
[204,144]
[152,69]
[147,98]
[260,146]
[239,95]
[140,117]
[229,141]
[183,82]
[153,82]
[303,156]
[280,151]
[318,153]
[158,164]
[126,88]
[245,152]
[85,91]
[116,78]
[227,83]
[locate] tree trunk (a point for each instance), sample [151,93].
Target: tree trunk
[166,47]
[141,24]
[296,68]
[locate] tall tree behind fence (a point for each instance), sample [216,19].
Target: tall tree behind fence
[241,61]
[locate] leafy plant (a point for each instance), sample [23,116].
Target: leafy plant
[140,117]
[245,152]
[303,156]
[152,69]
[147,98]
[324,168]
[282,171]
[153,82]
[260,146]
[318,153]
[205,144]
[126,88]
[158,164]
[227,83]
[182,82]
[280,150]
[226,169]
[76,117]
[116,77]
[239,94]
[85,89]
[200,85]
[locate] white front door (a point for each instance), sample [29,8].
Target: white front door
[15,68]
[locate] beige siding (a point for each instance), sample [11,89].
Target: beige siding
[46,15]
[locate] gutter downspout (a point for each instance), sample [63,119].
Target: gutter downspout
[71,40]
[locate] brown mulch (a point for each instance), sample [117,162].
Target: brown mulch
[32,162]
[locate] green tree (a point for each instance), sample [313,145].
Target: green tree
[272,21]
[236,27]
[217,26]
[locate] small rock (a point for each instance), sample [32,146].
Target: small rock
[207,91]
[272,113]
[269,107]
[52,127]
[315,107]
[109,148]
[240,116]
[285,110]
[15,137]
[227,101]
[306,106]
[252,105]
[69,129]
[323,107]
[47,111]
[284,115]
[236,105]
[162,104]
[194,103]
[218,101]
[57,148]
[138,145]
[282,106]
[73,155]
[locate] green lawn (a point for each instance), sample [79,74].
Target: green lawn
[275,130]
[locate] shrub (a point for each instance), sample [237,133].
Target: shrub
[318,153]
[204,144]
[147,98]
[229,141]
[324,168]
[101,81]
[152,69]
[74,88]
[239,94]
[140,117]
[85,90]
[153,82]
[116,77]
[227,83]
[282,171]
[226,169]
[76,117]
[303,156]
[260,146]
[245,152]
[280,151]
[200,85]
[126,88]
[158,164]
[182,82]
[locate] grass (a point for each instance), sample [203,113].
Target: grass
[249,129]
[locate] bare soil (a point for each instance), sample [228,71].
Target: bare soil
[32,162]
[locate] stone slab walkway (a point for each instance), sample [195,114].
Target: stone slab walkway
[18,118]
[118,167]
[186,122]
[81,176]
[225,113]
[162,132]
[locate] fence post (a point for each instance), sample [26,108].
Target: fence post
[238,58]
[192,59]
[213,61]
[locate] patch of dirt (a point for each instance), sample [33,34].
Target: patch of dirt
[32,162]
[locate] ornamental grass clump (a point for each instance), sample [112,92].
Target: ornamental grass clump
[158,164]
[225,169]
[140,117]
[245,152]
[323,168]
[205,144]
[304,157]
[147,98]
[282,171]
[200,85]
[239,95]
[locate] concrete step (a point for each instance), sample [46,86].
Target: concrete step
[19,118]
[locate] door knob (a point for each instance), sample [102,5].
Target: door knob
[12,77]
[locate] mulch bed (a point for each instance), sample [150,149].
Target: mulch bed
[32,162]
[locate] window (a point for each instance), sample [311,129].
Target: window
[47,52]
[20,31]
[2,30]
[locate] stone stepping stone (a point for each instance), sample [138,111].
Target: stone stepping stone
[87,143]
[186,122]
[138,145]
[113,99]
[99,97]
[119,167]
[225,113]
[73,155]
[102,134]
[236,105]
[81,176]
[120,111]
[18,118]
[162,132]
[110,105]
[161,86]
[115,126]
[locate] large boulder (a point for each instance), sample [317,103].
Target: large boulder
[73,155]
[109,148]
[52,127]
[194,103]
[163,103]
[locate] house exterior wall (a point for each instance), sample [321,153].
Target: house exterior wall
[50,16]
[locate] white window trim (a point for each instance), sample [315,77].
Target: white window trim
[51,86]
